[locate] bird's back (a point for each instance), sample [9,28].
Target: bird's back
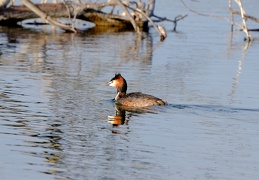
[138,99]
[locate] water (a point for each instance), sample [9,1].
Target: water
[56,119]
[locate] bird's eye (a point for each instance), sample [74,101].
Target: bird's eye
[111,82]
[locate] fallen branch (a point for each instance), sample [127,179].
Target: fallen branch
[47,18]
[249,37]
[88,12]
[138,14]
[204,14]
[176,19]
[242,13]
[159,29]
[129,15]
[245,15]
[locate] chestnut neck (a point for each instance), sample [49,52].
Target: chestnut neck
[122,88]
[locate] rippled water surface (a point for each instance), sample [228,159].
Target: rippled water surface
[58,122]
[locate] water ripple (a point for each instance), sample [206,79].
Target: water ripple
[213,108]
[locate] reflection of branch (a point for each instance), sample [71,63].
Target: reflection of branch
[239,69]
[141,49]
[231,14]
[230,43]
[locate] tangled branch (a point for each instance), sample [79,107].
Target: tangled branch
[242,13]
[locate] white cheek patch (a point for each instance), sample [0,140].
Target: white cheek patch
[111,83]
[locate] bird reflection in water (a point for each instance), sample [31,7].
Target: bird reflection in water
[123,114]
[119,118]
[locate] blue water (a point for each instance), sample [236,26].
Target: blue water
[58,122]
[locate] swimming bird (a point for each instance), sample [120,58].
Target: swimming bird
[135,99]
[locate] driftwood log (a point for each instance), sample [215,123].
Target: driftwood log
[136,15]
[15,14]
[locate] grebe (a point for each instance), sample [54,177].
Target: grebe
[136,99]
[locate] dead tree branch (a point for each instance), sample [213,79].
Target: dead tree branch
[47,18]
[176,19]
[129,15]
[242,13]
[87,12]
[135,15]
[161,30]
[204,14]
[248,35]
[252,18]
